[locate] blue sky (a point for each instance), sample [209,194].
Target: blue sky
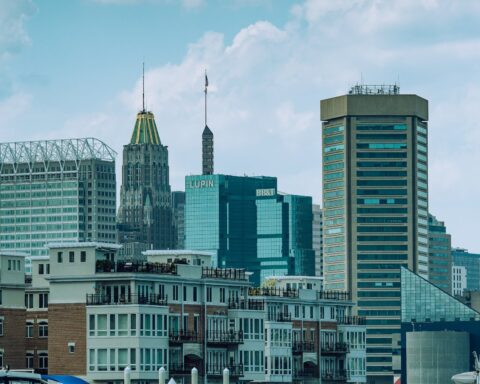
[73,69]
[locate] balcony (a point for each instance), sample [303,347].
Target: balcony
[281,317]
[334,348]
[334,377]
[250,304]
[352,320]
[303,346]
[152,299]
[311,372]
[107,266]
[224,337]
[181,336]
[217,370]
[279,292]
[224,273]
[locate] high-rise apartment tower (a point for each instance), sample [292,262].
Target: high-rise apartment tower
[375,201]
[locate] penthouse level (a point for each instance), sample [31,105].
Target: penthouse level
[104,315]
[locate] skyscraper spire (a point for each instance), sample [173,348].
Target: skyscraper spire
[143,87]
[207,140]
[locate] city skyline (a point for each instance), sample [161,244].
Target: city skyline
[268,69]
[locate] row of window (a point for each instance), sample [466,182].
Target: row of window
[71,256]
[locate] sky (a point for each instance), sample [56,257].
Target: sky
[73,69]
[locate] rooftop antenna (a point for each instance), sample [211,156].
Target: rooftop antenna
[143,87]
[206,86]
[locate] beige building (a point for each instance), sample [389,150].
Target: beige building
[375,206]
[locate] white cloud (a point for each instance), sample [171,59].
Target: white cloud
[188,4]
[13,15]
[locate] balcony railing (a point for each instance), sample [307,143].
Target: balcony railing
[224,273]
[334,377]
[280,317]
[152,299]
[352,320]
[28,279]
[107,266]
[217,370]
[303,346]
[181,336]
[334,295]
[251,304]
[225,337]
[307,372]
[184,368]
[280,292]
[334,348]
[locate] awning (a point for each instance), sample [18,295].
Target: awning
[64,379]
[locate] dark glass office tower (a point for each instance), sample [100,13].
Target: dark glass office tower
[145,213]
[439,254]
[375,201]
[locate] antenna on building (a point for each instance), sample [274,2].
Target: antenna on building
[206,87]
[143,86]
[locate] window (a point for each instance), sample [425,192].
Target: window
[43,360]
[71,256]
[29,329]
[71,347]
[1,358]
[42,329]
[29,360]
[29,300]
[195,294]
[1,330]
[40,269]
[222,295]
[48,269]
[184,293]
[43,300]
[60,257]
[209,294]
[83,256]
[175,292]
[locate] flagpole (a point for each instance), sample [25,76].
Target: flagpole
[206,85]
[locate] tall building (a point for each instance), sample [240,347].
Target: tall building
[439,254]
[317,238]
[246,223]
[145,213]
[471,261]
[207,151]
[178,219]
[375,201]
[459,280]
[54,191]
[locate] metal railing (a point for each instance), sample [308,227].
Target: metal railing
[307,372]
[328,377]
[331,348]
[107,266]
[334,295]
[217,370]
[225,337]
[282,317]
[184,368]
[352,320]
[251,304]
[224,273]
[151,299]
[280,292]
[181,336]
[303,346]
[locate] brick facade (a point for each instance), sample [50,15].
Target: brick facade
[13,340]
[67,323]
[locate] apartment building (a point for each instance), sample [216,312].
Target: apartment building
[178,313]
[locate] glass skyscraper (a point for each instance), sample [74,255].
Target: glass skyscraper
[375,206]
[56,191]
[471,262]
[246,223]
[439,254]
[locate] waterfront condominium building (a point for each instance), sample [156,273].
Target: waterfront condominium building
[145,213]
[317,238]
[247,224]
[56,190]
[89,315]
[439,254]
[375,206]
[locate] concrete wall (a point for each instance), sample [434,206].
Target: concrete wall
[434,357]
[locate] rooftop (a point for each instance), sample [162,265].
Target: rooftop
[176,252]
[363,89]
[86,244]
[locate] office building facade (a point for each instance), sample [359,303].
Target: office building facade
[178,219]
[56,190]
[471,262]
[375,206]
[439,254]
[145,212]
[317,238]
[247,224]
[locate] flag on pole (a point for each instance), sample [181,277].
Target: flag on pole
[206,80]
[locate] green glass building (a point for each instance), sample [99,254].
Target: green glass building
[375,207]
[246,223]
[56,191]
[439,254]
